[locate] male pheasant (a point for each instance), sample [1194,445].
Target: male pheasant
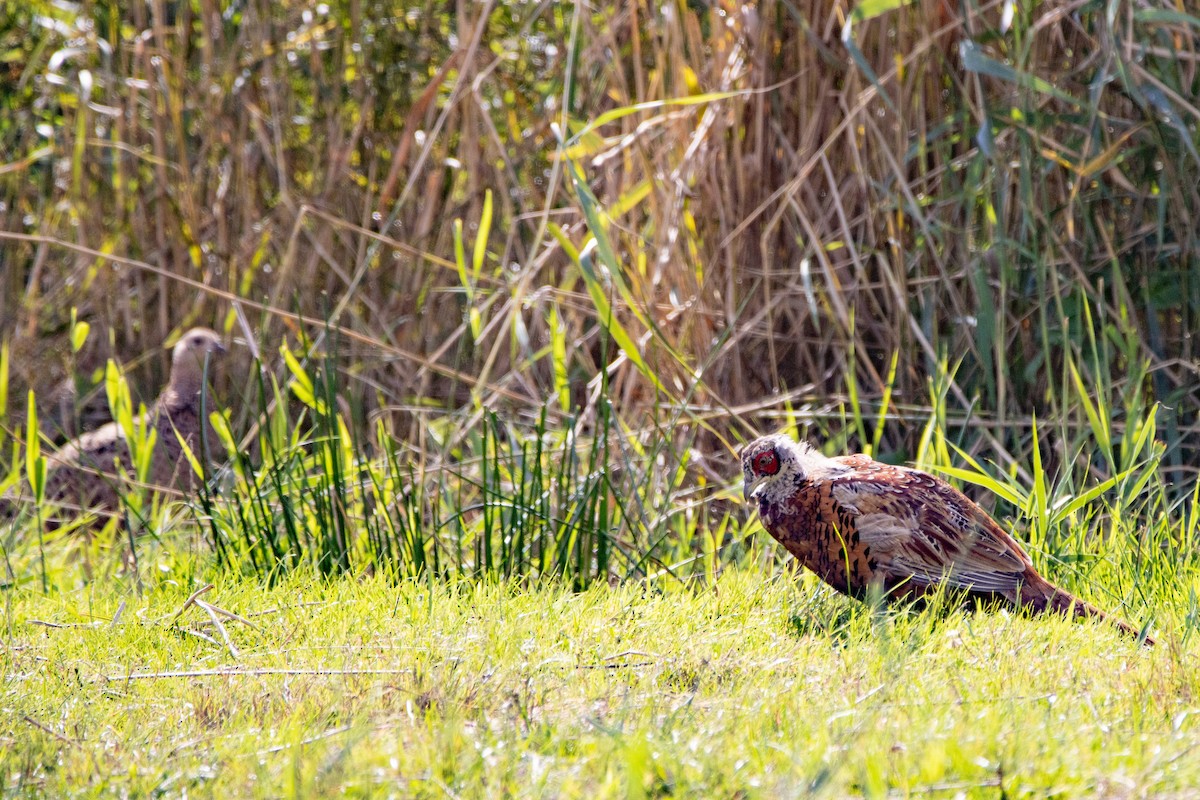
[863,526]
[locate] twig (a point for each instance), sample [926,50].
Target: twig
[200,635]
[212,614]
[623,664]
[46,729]
[187,603]
[252,673]
[627,653]
[229,614]
[325,735]
[117,616]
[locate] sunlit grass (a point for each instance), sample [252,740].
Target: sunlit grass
[761,686]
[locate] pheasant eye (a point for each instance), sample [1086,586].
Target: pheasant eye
[767,463]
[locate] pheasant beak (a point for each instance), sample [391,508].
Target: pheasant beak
[750,487]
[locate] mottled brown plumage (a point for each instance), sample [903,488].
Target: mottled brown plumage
[861,526]
[83,476]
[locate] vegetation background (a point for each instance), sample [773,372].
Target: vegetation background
[900,230]
[852,221]
[539,268]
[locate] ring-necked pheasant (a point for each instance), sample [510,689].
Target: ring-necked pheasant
[860,524]
[82,474]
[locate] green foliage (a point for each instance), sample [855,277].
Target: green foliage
[140,435]
[35,462]
[79,332]
[500,499]
[759,686]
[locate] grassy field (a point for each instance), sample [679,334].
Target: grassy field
[507,284]
[756,686]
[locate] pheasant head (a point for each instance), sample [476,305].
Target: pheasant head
[774,466]
[188,360]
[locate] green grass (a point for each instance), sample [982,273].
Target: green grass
[760,685]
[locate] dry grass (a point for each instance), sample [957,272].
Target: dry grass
[689,224]
[838,201]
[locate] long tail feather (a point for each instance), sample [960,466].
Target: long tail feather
[1051,598]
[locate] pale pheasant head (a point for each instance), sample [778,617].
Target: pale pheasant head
[188,359]
[195,344]
[773,466]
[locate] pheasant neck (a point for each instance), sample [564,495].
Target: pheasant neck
[185,387]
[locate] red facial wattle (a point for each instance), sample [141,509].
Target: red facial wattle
[766,463]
